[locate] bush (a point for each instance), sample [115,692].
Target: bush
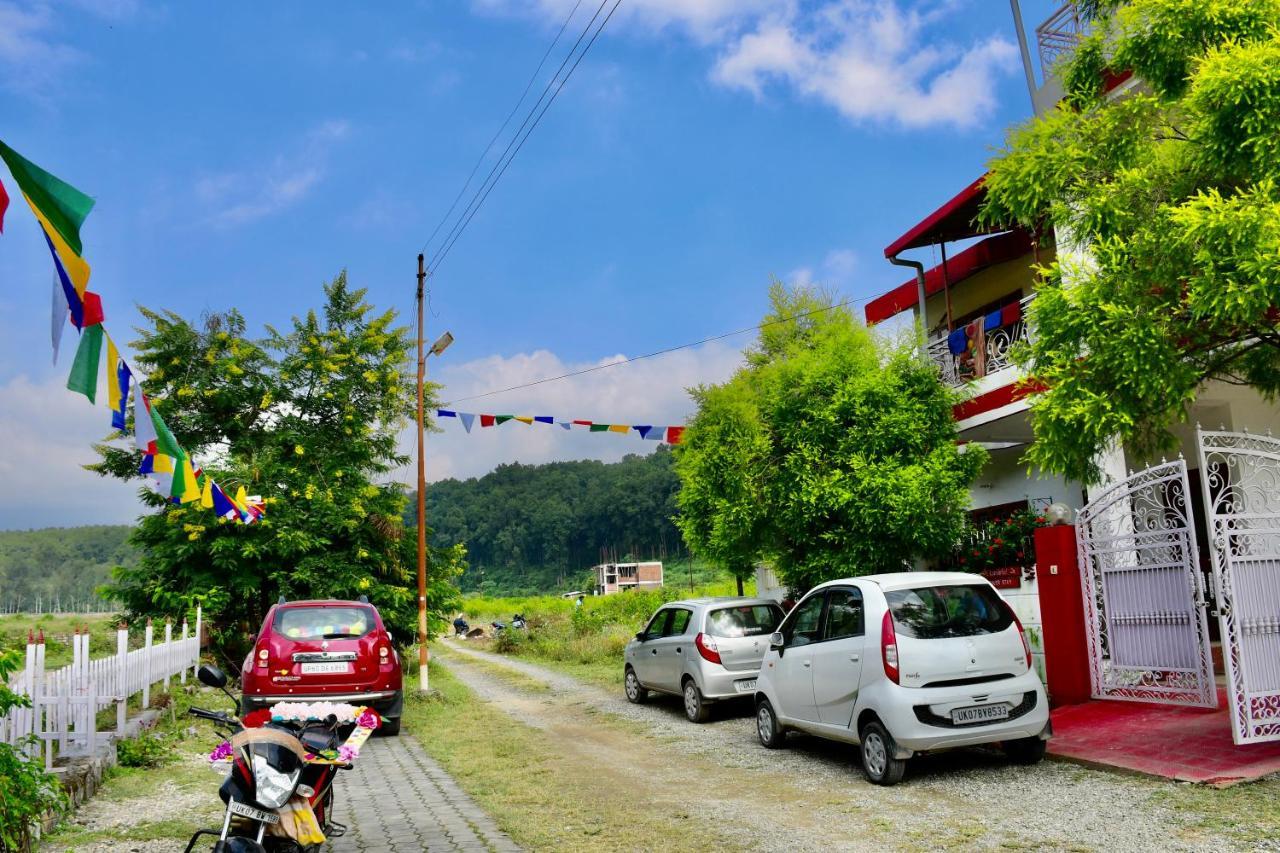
[27,793]
[508,642]
[146,750]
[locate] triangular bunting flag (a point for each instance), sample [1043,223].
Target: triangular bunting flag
[74,303]
[4,205]
[144,430]
[445,413]
[544,419]
[222,506]
[467,420]
[564,425]
[84,370]
[582,423]
[165,442]
[57,316]
[655,433]
[502,419]
[117,385]
[206,494]
[524,419]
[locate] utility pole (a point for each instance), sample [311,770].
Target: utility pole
[423,654]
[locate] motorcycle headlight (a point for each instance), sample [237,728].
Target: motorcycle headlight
[274,787]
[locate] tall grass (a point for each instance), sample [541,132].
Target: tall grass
[587,640]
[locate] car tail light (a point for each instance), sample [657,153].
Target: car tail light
[262,657]
[707,648]
[383,653]
[1026,647]
[889,647]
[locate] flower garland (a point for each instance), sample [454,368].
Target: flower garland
[366,721]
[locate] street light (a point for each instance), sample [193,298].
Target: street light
[442,343]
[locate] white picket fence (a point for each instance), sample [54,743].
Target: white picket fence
[65,702]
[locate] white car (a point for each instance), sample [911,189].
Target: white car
[900,664]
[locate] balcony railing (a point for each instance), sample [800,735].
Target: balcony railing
[986,351]
[1059,34]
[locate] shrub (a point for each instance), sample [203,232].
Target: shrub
[27,793]
[146,750]
[508,642]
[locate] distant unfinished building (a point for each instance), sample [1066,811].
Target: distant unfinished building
[619,577]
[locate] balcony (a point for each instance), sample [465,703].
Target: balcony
[1059,35]
[987,345]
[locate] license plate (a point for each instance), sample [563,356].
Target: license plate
[253,814]
[323,668]
[744,686]
[980,714]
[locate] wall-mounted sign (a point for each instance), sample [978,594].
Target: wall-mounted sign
[1006,577]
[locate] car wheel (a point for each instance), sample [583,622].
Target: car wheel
[636,694]
[390,727]
[771,734]
[695,707]
[878,763]
[1026,751]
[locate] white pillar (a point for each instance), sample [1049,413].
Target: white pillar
[182,676]
[1112,462]
[122,678]
[195,664]
[146,665]
[168,651]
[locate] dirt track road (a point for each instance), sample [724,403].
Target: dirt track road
[812,796]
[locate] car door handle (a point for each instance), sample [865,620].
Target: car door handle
[807,664]
[855,658]
[653,651]
[678,650]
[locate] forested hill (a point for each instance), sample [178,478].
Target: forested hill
[62,565]
[536,528]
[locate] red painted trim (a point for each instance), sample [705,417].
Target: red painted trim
[952,221]
[973,260]
[1002,396]
[1114,79]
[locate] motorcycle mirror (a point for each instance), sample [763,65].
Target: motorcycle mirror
[211,676]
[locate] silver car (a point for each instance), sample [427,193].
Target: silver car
[704,649]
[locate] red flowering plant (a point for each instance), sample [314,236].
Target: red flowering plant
[997,543]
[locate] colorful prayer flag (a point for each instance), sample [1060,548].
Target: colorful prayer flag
[597,427]
[655,433]
[445,413]
[222,505]
[165,442]
[4,205]
[206,493]
[622,428]
[58,316]
[184,488]
[524,419]
[467,420]
[76,266]
[564,425]
[502,419]
[544,419]
[144,431]
[84,370]
[62,204]
[486,420]
[117,385]
[582,423]
[675,434]
[74,302]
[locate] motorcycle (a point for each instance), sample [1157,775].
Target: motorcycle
[518,623]
[274,786]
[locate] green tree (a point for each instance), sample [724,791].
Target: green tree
[1173,191]
[309,419]
[830,453]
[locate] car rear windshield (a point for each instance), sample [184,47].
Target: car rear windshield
[747,620]
[935,612]
[329,623]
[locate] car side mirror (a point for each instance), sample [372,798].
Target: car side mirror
[777,642]
[641,636]
[211,676]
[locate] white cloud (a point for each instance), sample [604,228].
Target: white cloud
[873,61]
[238,198]
[651,391]
[836,271]
[48,435]
[32,58]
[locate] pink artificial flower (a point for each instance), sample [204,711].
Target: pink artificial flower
[221,752]
[347,754]
[369,719]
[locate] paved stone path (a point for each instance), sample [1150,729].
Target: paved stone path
[397,799]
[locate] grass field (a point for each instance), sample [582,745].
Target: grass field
[587,641]
[58,630]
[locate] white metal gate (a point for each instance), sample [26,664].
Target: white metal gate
[1241,477]
[1143,595]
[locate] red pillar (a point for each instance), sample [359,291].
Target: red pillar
[1066,650]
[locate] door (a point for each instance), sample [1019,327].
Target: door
[1241,477]
[645,662]
[1144,601]
[676,642]
[794,678]
[837,658]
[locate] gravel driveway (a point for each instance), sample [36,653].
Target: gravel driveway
[812,796]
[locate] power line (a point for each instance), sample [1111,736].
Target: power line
[711,339]
[500,167]
[507,121]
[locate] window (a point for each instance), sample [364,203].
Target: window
[937,612]
[679,622]
[844,614]
[657,625]
[319,623]
[747,621]
[802,626]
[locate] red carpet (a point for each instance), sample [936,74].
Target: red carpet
[1187,744]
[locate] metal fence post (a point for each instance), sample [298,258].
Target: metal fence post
[146,666]
[122,677]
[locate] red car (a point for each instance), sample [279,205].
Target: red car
[324,651]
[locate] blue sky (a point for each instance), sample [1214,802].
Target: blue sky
[241,154]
